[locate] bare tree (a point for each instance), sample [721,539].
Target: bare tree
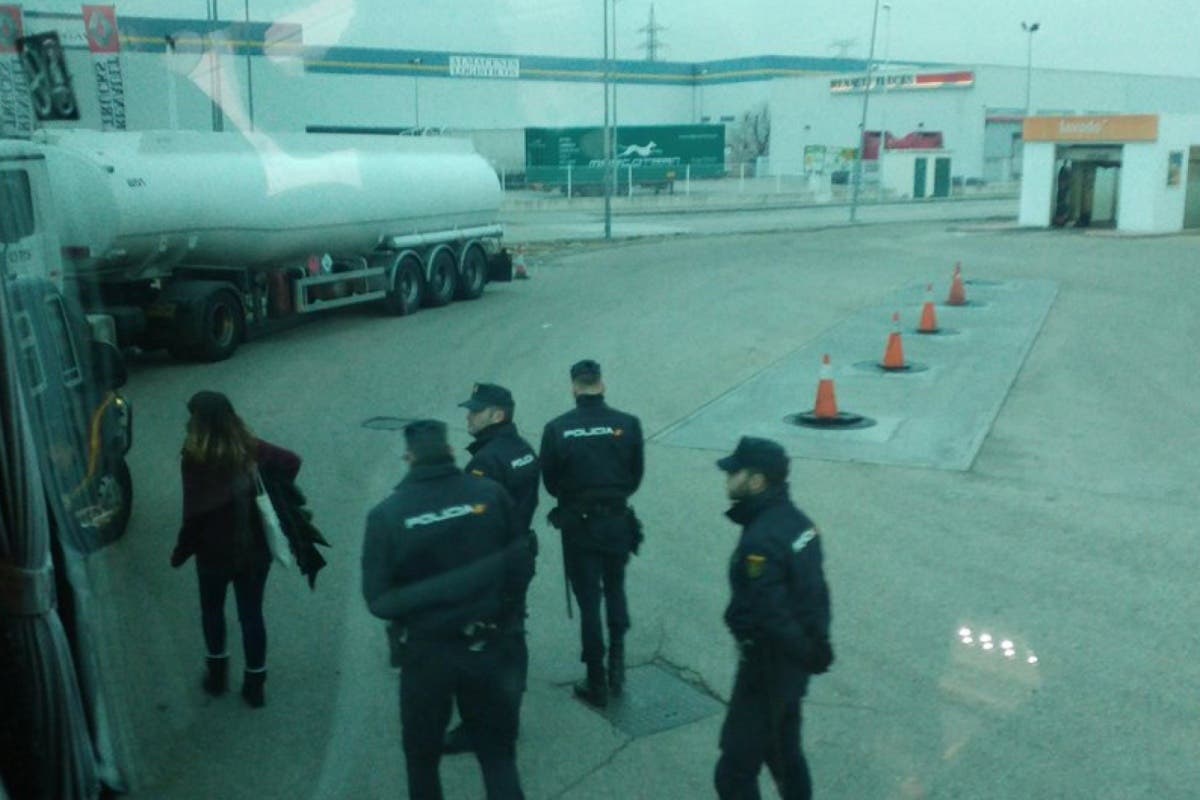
[751,137]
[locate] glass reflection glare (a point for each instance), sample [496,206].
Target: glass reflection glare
[987,643]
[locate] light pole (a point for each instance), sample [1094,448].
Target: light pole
[1031,29]
[887,47]
[249,73]
[607,136]
[416,62]
[862,128]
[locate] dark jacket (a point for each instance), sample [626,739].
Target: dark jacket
[592,461]
[436,522]
[221,526]
[780,602]
[500,453]
[592,451]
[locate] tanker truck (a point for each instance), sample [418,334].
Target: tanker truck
[195,242]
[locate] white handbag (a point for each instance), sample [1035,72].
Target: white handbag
[277,540]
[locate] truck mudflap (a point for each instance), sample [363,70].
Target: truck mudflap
[500,266]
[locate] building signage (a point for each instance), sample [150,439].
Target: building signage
[100,24]
[16,107]
[904,81]
[1123,128]
[484,67]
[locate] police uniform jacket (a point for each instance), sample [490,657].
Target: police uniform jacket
[779,609]
[500,453]
[437,522]
[592,461]
[593,452]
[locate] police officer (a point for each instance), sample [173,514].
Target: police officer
[779,617]
[446,557]
[592,461]
[499,453]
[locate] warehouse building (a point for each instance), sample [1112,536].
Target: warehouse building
[265,78]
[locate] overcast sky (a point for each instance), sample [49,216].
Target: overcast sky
[1147,36]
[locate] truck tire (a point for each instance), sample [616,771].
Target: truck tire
[114,494]
[443,278]
[222,328]
[473,274]
[407,288]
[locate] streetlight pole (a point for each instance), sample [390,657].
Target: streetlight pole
[1031,29]
[249,73]
[616,126]
[862,128]
[607,136]
[416,62]
[887,48]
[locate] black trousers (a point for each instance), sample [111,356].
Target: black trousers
[248,588]
[596,576]
[487,685]
[762,726]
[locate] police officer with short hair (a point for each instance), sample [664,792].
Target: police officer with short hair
[592,461]
[501,454]
[779,616]
[446,557]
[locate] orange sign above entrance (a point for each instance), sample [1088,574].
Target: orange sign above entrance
[1123,128]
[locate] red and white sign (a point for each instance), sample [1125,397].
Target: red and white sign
[11,29]
[904,81]
[16,106]
[100,25]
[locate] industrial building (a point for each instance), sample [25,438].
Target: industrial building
[264,78]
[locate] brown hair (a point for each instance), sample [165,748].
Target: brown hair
[216,436]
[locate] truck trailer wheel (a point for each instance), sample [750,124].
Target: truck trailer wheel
[443,278]
[473,275]
[408,285]
[222,328]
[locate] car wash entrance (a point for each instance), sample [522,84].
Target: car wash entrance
[1085,186]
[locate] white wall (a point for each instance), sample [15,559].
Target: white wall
[1146,203]
[1037,185]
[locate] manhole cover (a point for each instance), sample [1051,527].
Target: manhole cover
[386,423]
[655,699]
[844,421]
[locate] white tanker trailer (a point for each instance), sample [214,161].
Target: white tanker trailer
[194,241]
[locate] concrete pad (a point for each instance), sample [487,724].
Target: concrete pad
[936,417]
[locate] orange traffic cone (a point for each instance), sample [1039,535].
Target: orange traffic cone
[929,322]
[520,271]
[958,294]
[893,356]
[826,407]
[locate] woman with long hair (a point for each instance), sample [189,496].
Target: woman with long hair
[222,529]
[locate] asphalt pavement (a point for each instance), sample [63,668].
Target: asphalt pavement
[1068,534]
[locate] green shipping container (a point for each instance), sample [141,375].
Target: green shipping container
[657,154]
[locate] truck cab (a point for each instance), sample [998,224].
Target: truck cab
[70,370]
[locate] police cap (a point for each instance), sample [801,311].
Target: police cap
[585,369]
[757,455]
[426,439]
[488,395]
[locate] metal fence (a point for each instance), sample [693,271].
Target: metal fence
[784,180]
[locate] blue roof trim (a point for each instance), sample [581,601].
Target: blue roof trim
[149,34]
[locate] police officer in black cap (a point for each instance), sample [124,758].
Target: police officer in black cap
[501,454]
[447,558]
[592,461]
[779,617]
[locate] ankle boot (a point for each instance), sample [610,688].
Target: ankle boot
[216,677]
[616,668]
[252,688]
[593,691]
